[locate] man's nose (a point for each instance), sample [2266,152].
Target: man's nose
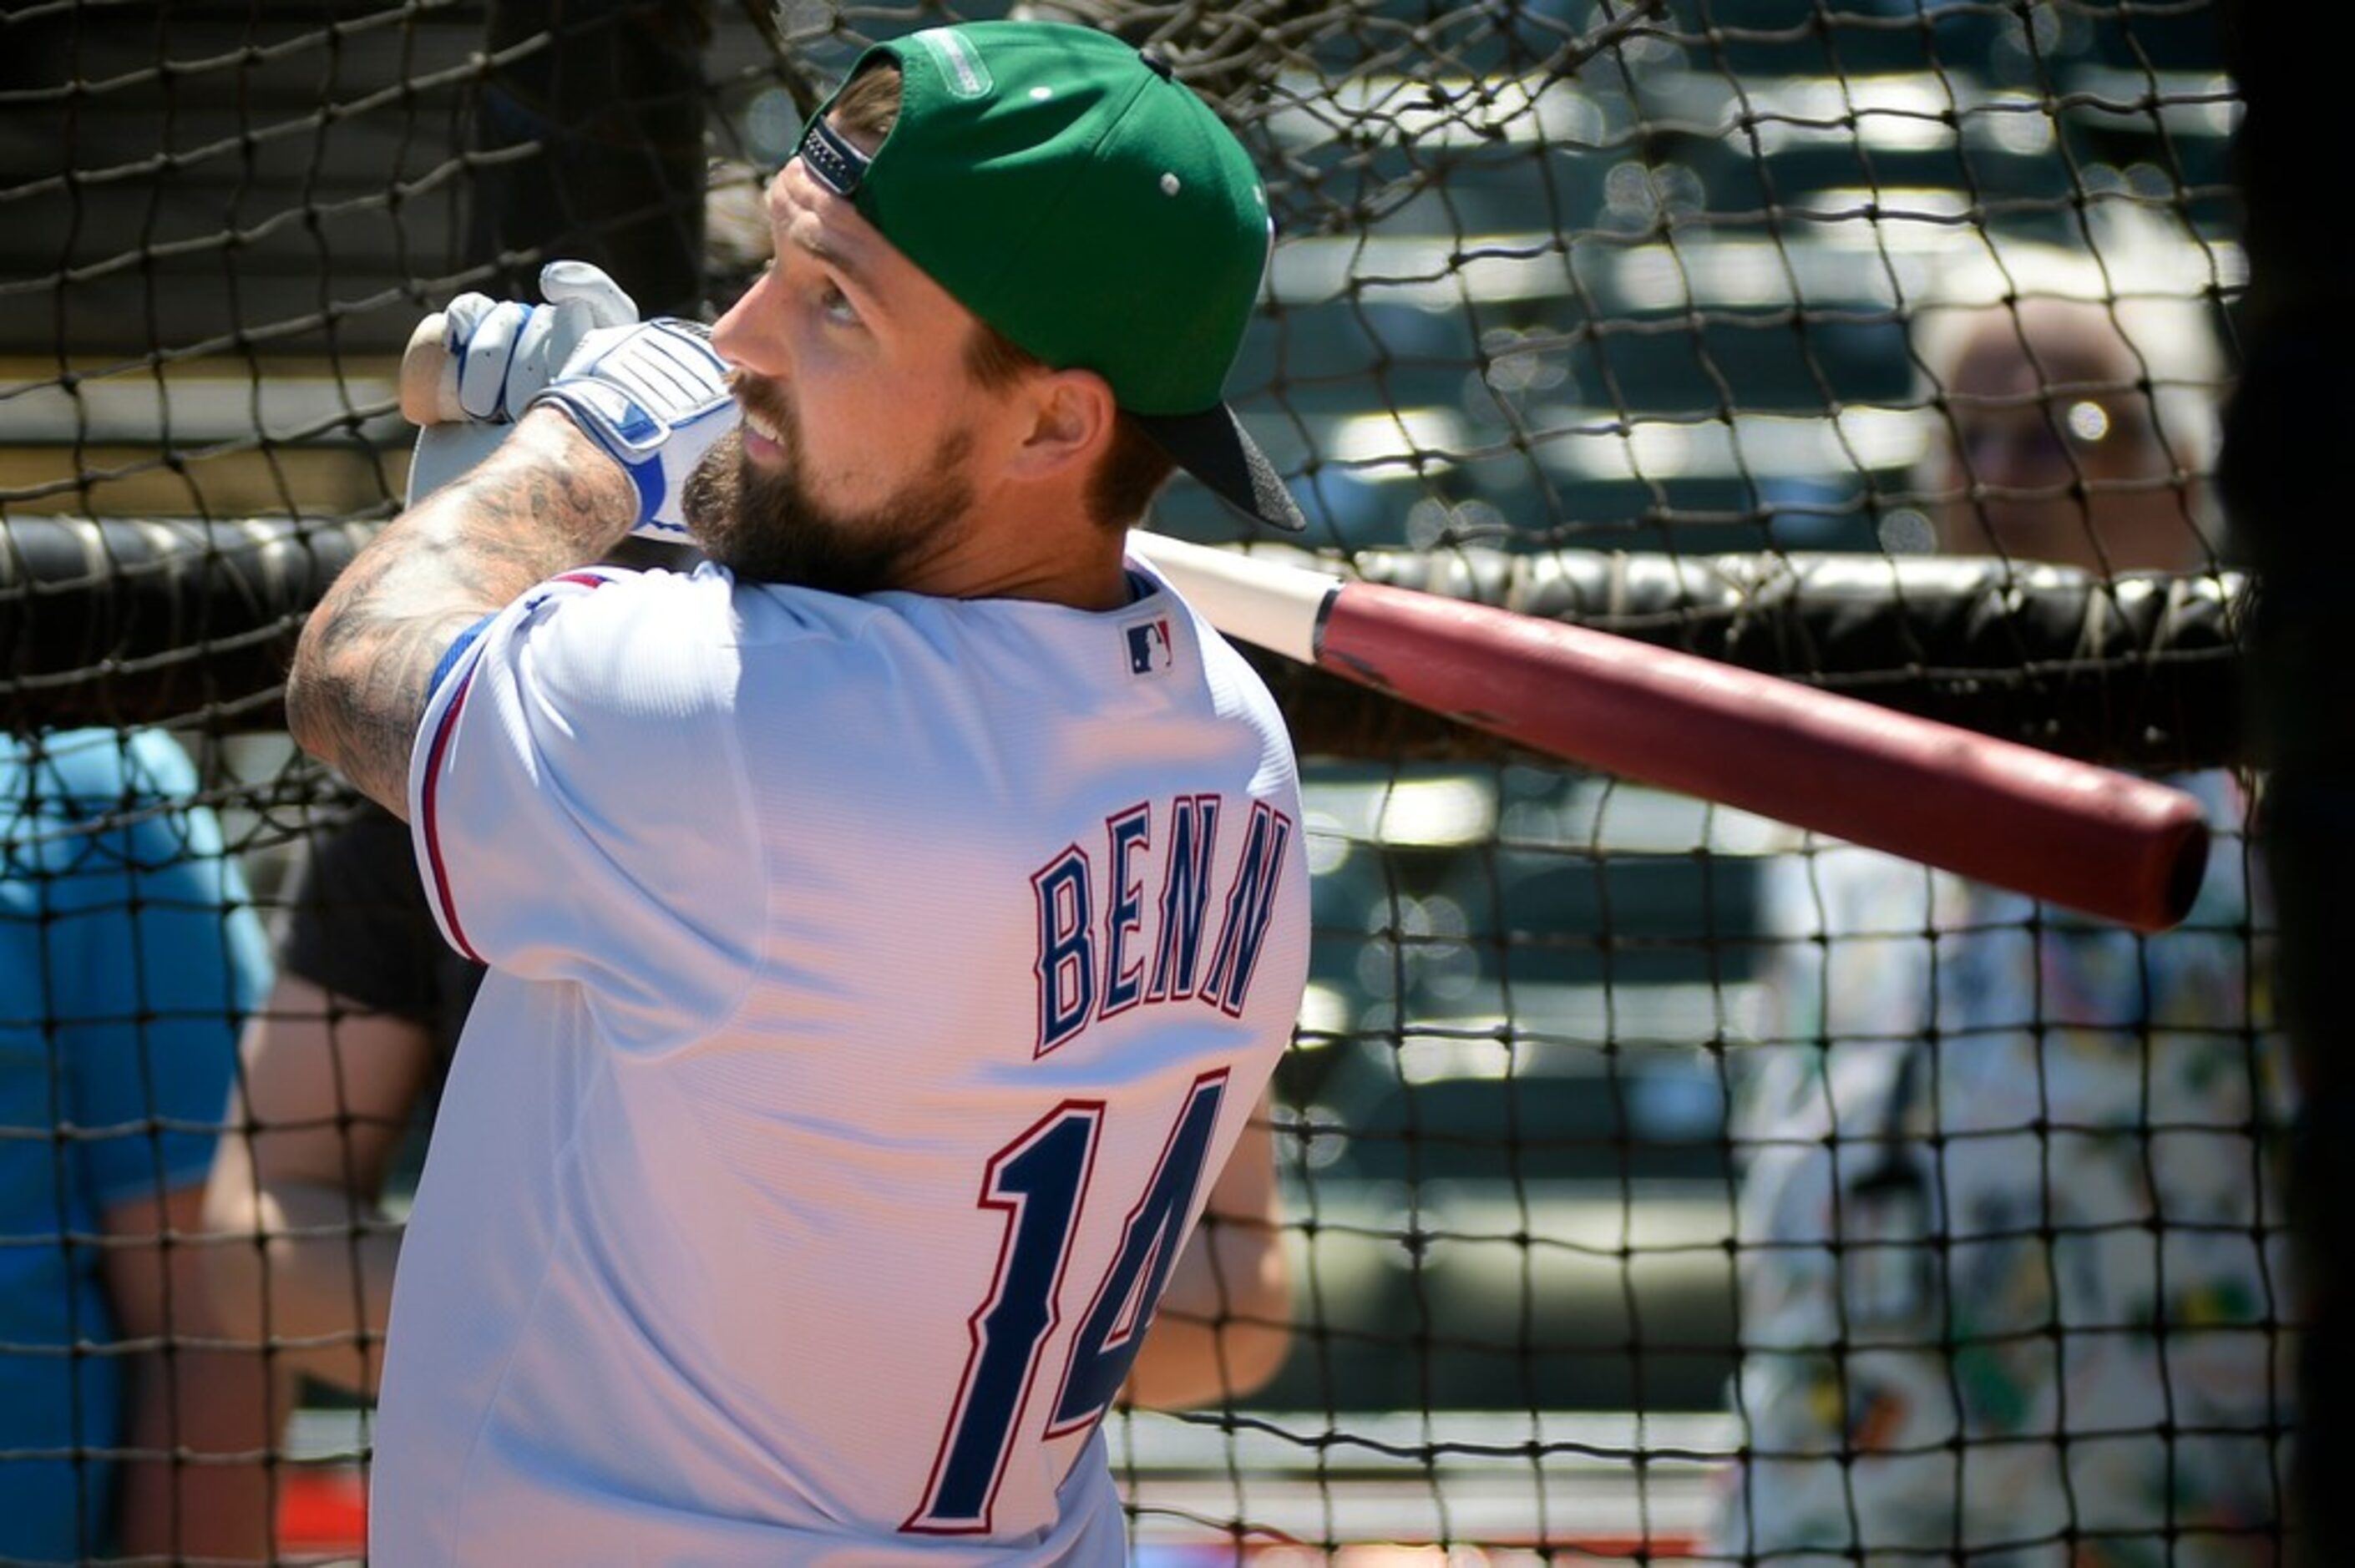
[741,336]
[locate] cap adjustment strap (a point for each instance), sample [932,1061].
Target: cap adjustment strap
[827,154]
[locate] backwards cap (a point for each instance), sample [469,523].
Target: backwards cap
[1066,190]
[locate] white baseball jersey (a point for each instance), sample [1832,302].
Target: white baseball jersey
[878,987]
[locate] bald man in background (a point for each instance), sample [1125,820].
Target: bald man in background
[2011,1260]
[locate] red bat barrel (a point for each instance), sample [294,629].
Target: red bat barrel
[2090,838]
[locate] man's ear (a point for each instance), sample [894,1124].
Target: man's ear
[1072,417]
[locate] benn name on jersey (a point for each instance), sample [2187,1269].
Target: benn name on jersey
[1130,922]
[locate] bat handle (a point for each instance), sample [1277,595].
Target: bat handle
[429,376]
[1275,606]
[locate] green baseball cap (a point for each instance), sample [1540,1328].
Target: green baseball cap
[1065,188]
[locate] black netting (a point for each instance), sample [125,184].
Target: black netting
[1657,1179]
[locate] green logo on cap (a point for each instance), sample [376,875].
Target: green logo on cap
[960,68]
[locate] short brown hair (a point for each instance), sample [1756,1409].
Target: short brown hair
[1134,468]
[869,104]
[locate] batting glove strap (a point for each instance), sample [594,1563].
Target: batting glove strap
[656,398]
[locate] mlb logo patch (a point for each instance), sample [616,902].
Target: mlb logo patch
[1148,646]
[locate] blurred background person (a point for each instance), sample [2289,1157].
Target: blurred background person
[2010,1248]
[128,955]
[340,1073]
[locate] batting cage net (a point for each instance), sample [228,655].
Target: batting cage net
[1659,1181]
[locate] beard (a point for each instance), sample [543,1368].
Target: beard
[764,525]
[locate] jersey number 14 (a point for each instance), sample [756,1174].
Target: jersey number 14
[1041,1182]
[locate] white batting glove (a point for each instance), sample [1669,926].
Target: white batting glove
[656,398]
[507,351]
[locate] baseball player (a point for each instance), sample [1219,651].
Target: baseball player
[890,924]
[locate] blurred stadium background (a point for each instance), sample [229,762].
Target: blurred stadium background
[1621,285]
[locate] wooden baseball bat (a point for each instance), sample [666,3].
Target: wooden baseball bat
[2096,839]
[2093,839]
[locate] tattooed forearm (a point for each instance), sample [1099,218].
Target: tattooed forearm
[545,501]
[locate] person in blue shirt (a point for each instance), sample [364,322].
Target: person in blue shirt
[128,958]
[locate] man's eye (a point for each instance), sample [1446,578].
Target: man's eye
[837,306]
